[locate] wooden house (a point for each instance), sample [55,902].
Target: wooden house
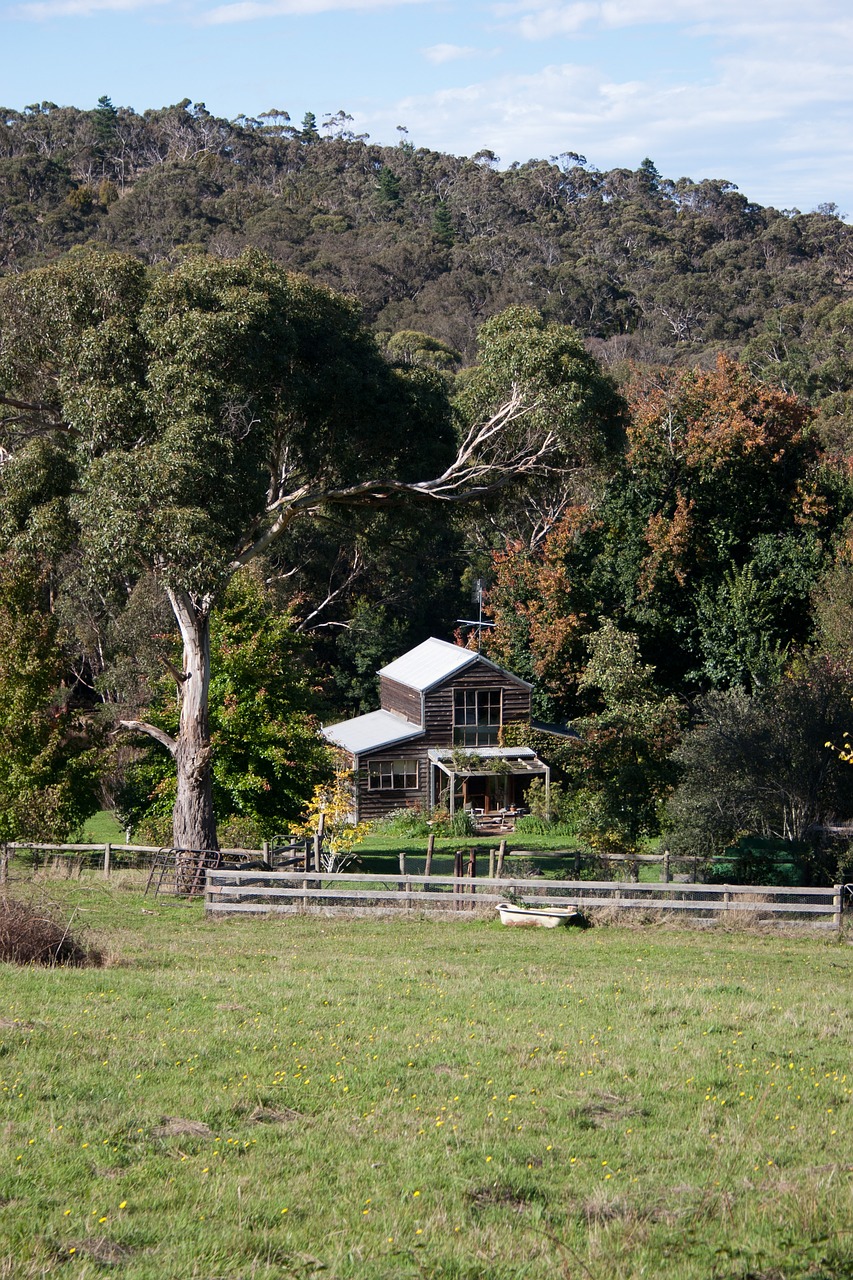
[437,739]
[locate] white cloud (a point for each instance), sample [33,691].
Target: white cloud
[545,20]
[439,53]
[753,119]
[251,10]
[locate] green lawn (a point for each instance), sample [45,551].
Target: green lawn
[386,1099]
[102,828]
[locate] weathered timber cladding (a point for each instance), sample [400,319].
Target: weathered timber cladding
[375,804]
[400,699]
[439,701]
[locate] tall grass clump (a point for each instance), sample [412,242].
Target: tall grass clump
[33,933]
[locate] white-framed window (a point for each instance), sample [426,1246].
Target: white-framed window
[392,775]
[476,717]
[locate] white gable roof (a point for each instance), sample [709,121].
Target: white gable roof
[426,665]
[368,733]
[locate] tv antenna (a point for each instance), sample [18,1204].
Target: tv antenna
[477,591]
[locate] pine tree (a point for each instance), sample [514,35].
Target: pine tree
[442,225]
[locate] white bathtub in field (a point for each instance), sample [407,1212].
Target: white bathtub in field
[541,917]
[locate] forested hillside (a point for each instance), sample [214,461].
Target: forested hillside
[675,573]
[650,267]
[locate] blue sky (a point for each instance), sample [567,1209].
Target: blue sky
[760,93]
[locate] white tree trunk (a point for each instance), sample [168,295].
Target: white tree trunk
[193,823]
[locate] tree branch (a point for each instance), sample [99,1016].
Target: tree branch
[140,726]
[486,461]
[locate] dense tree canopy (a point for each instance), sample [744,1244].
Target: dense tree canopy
[646,266]
[196,416]
[707,542]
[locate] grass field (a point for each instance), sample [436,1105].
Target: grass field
[377,1099]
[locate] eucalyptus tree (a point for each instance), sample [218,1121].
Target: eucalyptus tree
[201,413]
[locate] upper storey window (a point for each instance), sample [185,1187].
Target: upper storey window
[476,717]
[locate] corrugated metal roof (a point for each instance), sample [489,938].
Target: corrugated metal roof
[368,733]
[428,664]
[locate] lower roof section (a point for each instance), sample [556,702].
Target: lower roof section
[371,732]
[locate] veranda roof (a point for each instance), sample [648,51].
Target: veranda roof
[488,760]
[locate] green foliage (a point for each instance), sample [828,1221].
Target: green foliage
[267,756]
[758,766]
[621,771]
[48,764]
[460,823]
[706,543]
[759,860]
[402,822]
[442,225]
[105,120]
[410,347]
[388,186]
[532,825]
[566,391]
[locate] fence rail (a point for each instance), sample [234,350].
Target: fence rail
[245,892]
[106,855]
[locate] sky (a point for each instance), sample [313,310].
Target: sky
[759,92]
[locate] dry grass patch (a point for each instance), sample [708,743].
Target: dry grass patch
[175,1127]
[35,933]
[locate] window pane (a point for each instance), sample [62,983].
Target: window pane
[392,775]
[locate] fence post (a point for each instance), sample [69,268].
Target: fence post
[665,871]
[108,852]
[577,864]
[472,873]
[836,906]
[266,851]
[457,876]
[491,864]
[318,840]
[430,847]
[501,856]
[4,865]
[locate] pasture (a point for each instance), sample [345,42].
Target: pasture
[371,1098]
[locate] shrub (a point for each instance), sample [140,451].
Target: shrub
[759,860]
[36,934]
[402,822]
[461,824]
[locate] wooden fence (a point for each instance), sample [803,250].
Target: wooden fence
[281,893]
[103,856]
[106,856]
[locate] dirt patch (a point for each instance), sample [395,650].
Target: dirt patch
[275,1115]
[606,1110]
[106,1252]
[11,1024]
[502,1196]
[175,1127]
